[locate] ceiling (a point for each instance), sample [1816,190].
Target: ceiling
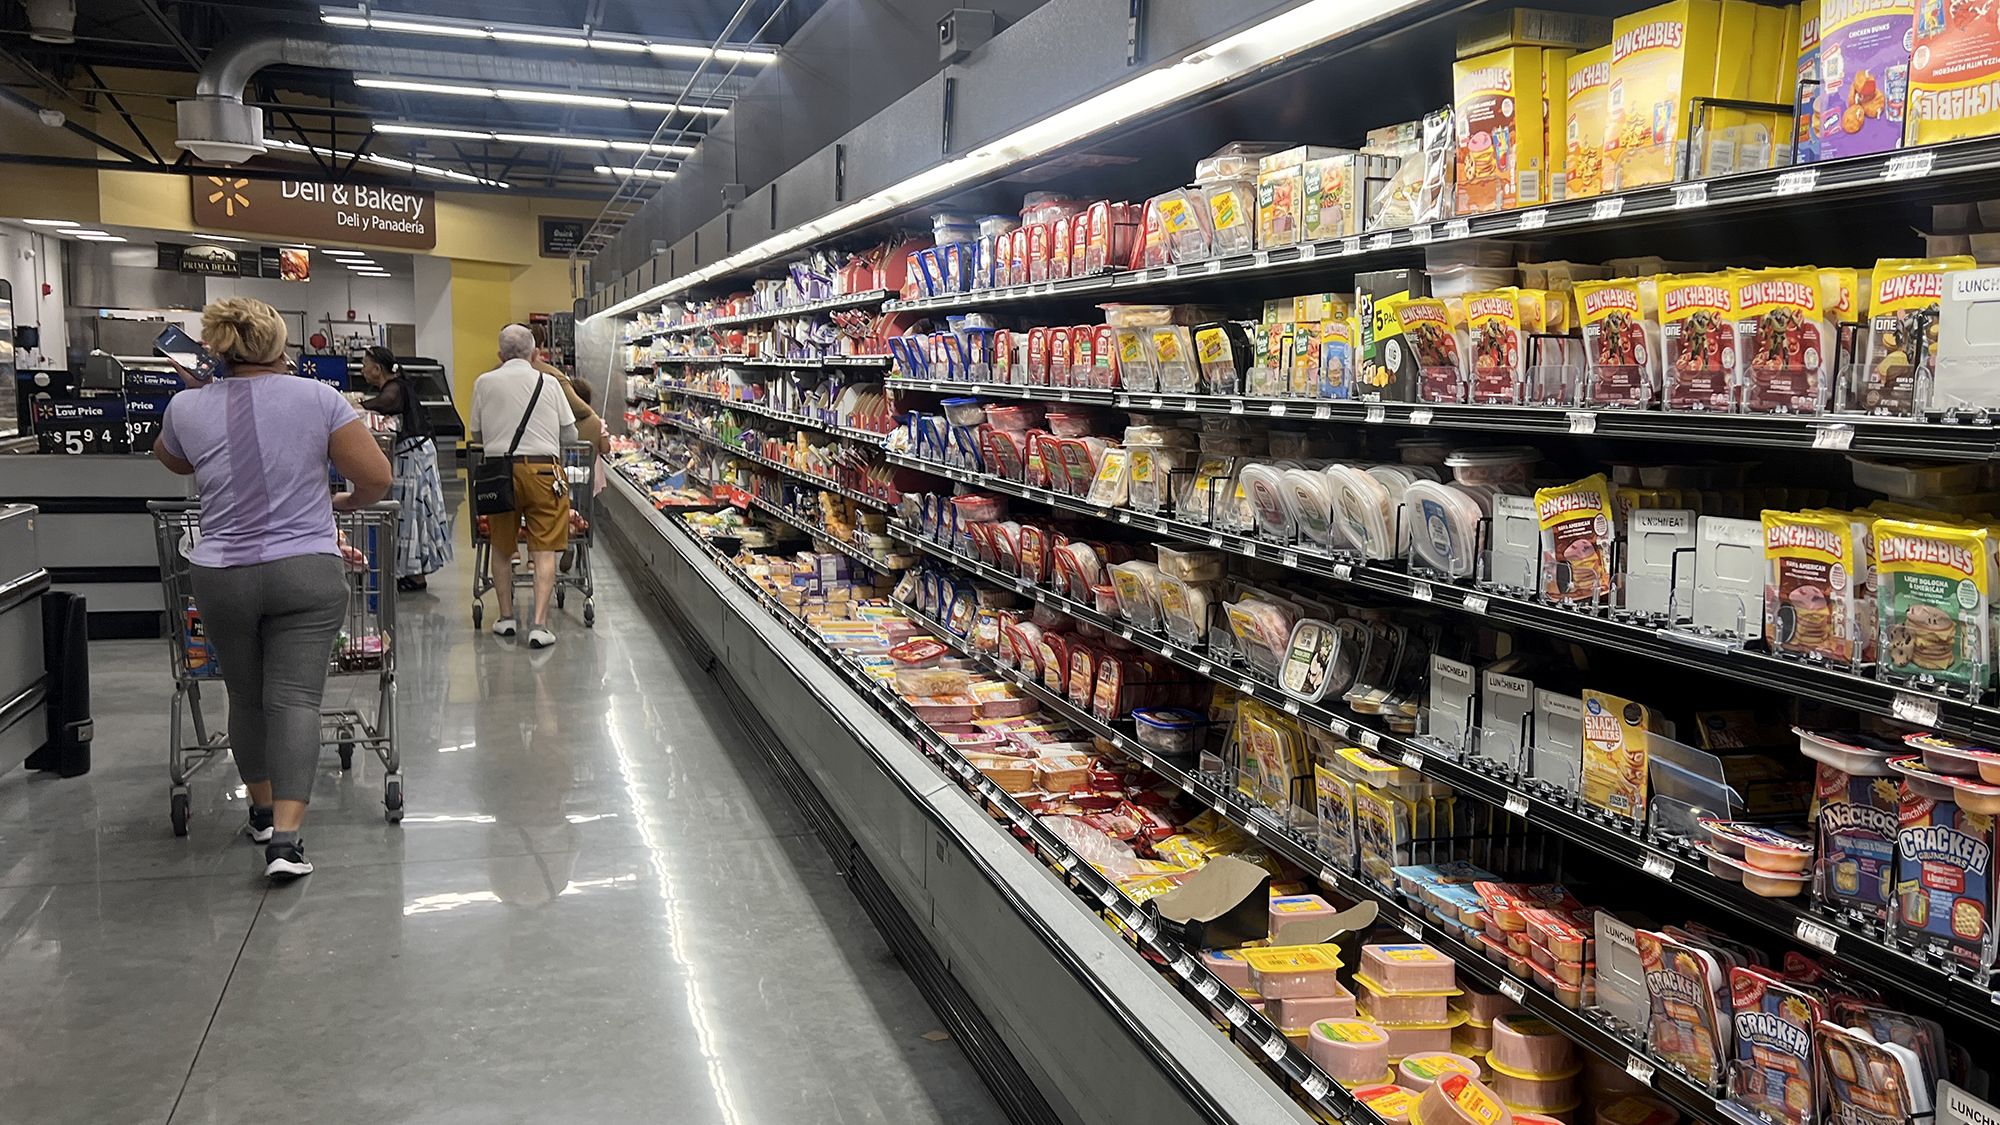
[133,58]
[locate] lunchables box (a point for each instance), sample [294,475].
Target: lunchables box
[1955,59]
[1864,71]
[1576,540]
[1775,1076]
[1661,59]
[1498,121]
[1586,105]
[1498,323]
[1433,346]
[1785,341]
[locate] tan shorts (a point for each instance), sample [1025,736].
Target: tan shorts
[539,505]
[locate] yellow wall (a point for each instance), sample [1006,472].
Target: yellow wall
[481,305]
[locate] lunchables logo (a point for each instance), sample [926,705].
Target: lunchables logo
[1490,306]
[1589,78]
[1939,843]
[1768,1029]
[1956,104]
[1662,33]
[1916,286]
[1793,293]
[1695,297]
[1423,312]
[1835,13]
[1563,503]
[1494,79]
[1805,537]
[1911,549]
[1600,301]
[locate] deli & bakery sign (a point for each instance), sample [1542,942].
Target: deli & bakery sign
[308,209]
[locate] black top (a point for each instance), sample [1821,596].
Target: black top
[399,399]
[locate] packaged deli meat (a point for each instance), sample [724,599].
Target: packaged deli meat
[1811,598]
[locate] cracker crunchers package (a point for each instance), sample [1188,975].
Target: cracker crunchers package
[1900,351]
[1944,876]
[1864,71]
[1690,995]
[1576,540]
[1697,340]
[1785,341]
[1810,602]
[1585,104]
[1933,596]
[1805,83]
[1954,72]
[1661,59]
[1621,341]
[1776,1072]
[1498,123]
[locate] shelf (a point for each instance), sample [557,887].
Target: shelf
[1961,163]
[819,535]
[813,363]
[1865,950]
[1858,433]
[831,304]
[1975,721]
[779,466]
[864,437]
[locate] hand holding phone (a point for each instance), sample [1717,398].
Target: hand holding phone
[196,362]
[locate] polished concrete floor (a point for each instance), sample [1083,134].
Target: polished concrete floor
[599,909]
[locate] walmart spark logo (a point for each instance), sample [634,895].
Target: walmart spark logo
[229,193]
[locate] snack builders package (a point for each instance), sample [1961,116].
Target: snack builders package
[1661,59]
[1776,1074]
[1621,341]
[1933,600]
[1955,60]
[1689,993]
[1900,349]
[1585,106]
[1498,123]
[1615,753]
[1699,341]
[1576,540]
[1785,341]
[1810,600]
[1498,323]
[1944,876]
[1864,72]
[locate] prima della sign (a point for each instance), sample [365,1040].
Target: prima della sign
[310,209]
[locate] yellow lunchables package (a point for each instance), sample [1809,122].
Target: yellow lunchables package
[1497,107]
[1698,341]
[1499,343]
[1661,58]
[1902,334]
[1953,72]
[1586,101]
[1785,341]
[1576,539]
[1621,341]
[1810,580]
[1615,753]
[1555,114]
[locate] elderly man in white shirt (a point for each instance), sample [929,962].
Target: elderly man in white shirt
[505,402]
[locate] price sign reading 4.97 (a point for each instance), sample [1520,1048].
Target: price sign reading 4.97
[81,427]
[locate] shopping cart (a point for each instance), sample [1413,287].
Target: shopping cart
[579,464]
[366,647]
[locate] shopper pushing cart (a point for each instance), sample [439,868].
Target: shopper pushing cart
[491,567]
[265,569]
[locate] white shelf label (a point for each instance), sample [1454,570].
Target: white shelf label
[1350,246]
[1125,631]
[1214,266]
[1512,989]
[1833,435]
[1458,228]
[1189,404]
[1173,270]
[1534,220]
[1327,876]
[1420,234]
[1640,1067]
[1422,416]
[1475,603]
[1274,1048]
[1250,550]
[1380,240]
[1289,558]
[1688,196]
[1410,758]
[1322,412]
[1277,410]
[1908,166]
[1376,412]
[1658,866]
[1250,826]
[1411,925]
[1248,685]
[1316,1085]
[1517,803]
[1582,422]
[1204,668]
[1261,258]
[1817,934]
[1308,251]
[1215,540]
[1343,571]
[1798,181]
[1910,707]
[1340,727]
[1184,966]
[1156,402]
[1292,706]
[1610,207]
[1422,591]
[1208,987]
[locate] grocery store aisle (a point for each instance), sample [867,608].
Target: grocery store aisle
[600,908]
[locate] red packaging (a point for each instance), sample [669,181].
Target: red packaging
[1060,232]
[1104,348]
[1038,251]
[1083,659]
[1083,357]
[1079,241]
[1152,247]
[1096,240]
[1003,355]
[1035,552]
[1054,652]
[1038,356]
[918,653]
[1058,358]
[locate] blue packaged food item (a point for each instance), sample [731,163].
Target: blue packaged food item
[1944,872]
[1855,822]
[1775,1076]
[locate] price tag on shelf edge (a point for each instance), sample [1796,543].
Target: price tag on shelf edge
[1422,416]
[1817,934]
[1380,240]
[1798,181]
[1276,410]
[1214,266]
[1261,259]
[1688,196]
[1476,603]
[1292,706]
[1189,404]
[1908,165]
[1582,422]
[1658,866]
[1534,220]
[1517,803]
[1274,1048]
[1308,251]
[1376,412]
[1610,207]
[1343,571]
[1513,989]
[1289,558]
[1911,707]
[1640,1067]
[1184,966]
[1156,402]
[1350,246]
[1458,228]
[1322,412]
[1420,234]
[1833,435]
[1316,1085]
[1422,591]
[1411,925]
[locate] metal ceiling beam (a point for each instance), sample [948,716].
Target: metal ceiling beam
[89,134]
[172,33]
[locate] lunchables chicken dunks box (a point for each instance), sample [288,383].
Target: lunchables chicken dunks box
[1498,106]
[1660,59]
[1954,72]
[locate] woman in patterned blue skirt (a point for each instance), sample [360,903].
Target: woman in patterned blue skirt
[423,532]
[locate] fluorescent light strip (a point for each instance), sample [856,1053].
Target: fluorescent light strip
[52,222]
[563,37]
[385,162]
[344,253]
[642,173]
[555,139]
[549,97]
[1300,29]
[100,238]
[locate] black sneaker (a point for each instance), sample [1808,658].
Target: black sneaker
[259,826]
[284,862]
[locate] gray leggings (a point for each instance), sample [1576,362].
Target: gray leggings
[273,625]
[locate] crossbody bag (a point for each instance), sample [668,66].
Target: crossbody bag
[493,480]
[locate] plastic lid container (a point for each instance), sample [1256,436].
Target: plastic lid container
[1282,971]
[1312,496]
[1169,730]
[1349,1050]
[1530,1045]
[1270,500]
[1458,1100]
[1394,1007]
[1505,464]
[1389,1102]
[1191,566]
[1421,1072]
[1850,752]
[1442,522]
[1363,505]
[1961,759]
[1409,967]
[1297,1014]
[1915,480]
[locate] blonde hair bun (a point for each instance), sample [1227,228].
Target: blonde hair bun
[243,330]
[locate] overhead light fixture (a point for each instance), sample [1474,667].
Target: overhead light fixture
[100,238]
[87,233]
[52,222]
[343,253]
[431,131]
[1289,33]
[358,263]
[549,97]
[381,161]
[556,139]
[640,146]
[530,35]
[642,173]
[218,237]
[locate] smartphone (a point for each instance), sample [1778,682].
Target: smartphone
[174,343]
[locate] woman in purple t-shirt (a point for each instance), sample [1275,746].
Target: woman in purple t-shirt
[267,569]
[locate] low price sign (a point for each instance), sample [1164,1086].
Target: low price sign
[94,426]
